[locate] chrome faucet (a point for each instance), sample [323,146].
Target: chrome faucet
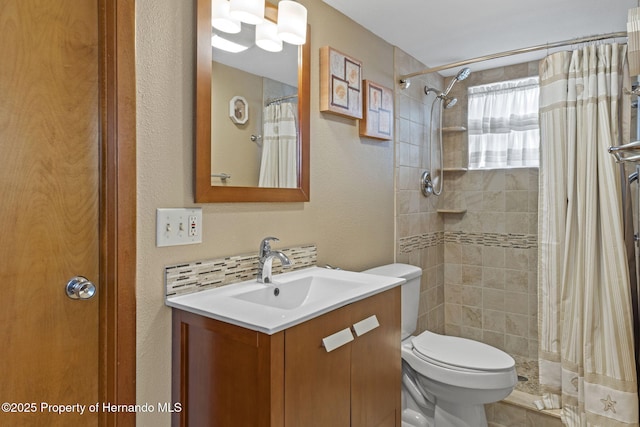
[265,261]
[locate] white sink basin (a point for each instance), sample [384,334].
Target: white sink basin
[295,293]
[301,295]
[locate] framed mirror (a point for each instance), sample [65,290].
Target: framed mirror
[241,112]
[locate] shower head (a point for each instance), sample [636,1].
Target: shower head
[462,74]
[446,101]
[449,102]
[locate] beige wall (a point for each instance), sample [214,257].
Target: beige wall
[350,215]
[233,152]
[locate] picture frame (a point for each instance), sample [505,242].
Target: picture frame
[378,116]
[239,110]
[340,83]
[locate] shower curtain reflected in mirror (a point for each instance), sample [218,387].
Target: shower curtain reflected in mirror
[278,167]
[586,346]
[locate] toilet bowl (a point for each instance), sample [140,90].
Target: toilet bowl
[461,375]
[446,381]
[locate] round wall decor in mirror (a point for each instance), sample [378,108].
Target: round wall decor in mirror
[239,110]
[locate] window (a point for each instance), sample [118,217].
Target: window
[503,126]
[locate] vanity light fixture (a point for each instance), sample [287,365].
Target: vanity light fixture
[267,37]
[292,22]
[227,45]
[220,18]
[228,16]
[247,11]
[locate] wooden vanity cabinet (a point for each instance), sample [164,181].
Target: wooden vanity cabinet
[225,375]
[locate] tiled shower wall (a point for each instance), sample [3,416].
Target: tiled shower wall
[491,249]
[491,262]
[419,228]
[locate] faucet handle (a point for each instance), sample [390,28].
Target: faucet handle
[265,246]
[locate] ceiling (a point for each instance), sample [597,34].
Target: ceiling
[439,32]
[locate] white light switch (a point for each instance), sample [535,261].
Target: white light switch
[178,226]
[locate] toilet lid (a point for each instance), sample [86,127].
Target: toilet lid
[461,352]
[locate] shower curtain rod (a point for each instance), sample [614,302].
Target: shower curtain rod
[515,52]
[282,98]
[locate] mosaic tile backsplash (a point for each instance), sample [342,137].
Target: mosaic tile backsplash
[197,276]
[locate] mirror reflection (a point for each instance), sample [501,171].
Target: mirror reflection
[248,99]
[254,114]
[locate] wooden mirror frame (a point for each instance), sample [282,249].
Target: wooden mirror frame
[204,191]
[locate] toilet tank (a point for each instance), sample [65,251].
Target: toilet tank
[410,292]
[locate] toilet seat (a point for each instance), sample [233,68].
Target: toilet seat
[460,353]
[445,372]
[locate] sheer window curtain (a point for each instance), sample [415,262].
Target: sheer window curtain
[584,308]
[502,124]
[278,167]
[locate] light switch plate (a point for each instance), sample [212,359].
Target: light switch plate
[178,226]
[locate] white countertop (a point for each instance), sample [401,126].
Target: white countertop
[223,303]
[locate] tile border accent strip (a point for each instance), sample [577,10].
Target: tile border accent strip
[197,276]
[502,240]
[421,241]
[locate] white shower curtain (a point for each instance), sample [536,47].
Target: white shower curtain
[585,321]
[278,167]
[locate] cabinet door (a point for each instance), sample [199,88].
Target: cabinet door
[317,383]
[376,362]
[225,375]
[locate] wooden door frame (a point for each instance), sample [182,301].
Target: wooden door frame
[117,345]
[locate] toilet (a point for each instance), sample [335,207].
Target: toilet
[446,381]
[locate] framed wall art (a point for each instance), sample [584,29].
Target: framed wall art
[378,111]
[340,83]
[239,110]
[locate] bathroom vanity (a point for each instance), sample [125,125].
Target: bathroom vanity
[307,374]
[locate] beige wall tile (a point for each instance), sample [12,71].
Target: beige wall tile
[493,299]
[493,320]
[471,317]
[516,280]
[517,324]
[493,277]
[493,257]
[472,296]
[516,345]
[516,302]
[471,254]
[517,201]
[517,222]
[516,179]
